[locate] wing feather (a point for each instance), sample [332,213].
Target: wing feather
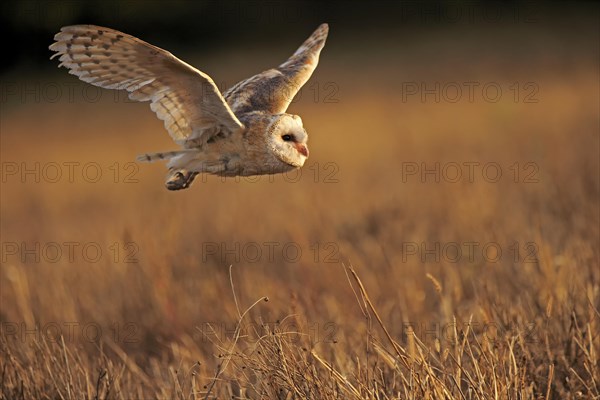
[273,90]
[186,99]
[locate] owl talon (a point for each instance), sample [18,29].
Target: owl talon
[180,180]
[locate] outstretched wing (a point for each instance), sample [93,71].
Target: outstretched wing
[273,90]
[187,100]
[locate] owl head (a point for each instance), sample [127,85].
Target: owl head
[287,139]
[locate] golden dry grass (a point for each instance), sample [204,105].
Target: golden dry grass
[188,318]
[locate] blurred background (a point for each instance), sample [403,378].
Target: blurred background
[454,163]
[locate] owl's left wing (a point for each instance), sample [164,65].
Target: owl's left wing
[186,99]
[273,90]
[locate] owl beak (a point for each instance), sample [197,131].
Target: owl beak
[302,149]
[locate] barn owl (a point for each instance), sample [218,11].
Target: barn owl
[244,131]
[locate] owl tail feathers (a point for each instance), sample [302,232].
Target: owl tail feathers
[167,155]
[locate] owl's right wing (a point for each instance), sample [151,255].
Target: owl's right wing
[273,90]
[186,99]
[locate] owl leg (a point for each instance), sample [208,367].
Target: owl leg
[180,179]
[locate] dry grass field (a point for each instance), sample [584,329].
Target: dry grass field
[442,242]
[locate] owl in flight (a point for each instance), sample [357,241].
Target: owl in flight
[244,131]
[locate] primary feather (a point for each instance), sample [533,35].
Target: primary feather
[273,90]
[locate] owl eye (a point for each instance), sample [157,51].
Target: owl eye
[287,138]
